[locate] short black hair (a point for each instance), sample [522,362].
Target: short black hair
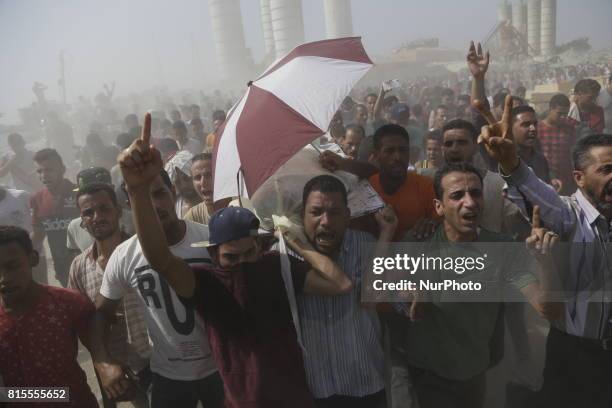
[587,85]
[218,115]
[447,92]
[167,145]
[559,100]
[499,99]
[389,130]
[124,140]
[48,154]
[94,188]
[371,94]
[196,121]
[460,124]
[452,168]
[9,233]
[15,138]
[581,155]
[521,109]
[324,184]
[201,157]
[434,135]
[179,125]
[354,128]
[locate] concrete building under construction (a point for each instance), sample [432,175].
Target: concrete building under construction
[533,20]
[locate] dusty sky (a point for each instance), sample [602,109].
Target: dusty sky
[143,43]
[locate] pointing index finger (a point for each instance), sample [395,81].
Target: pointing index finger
[535,219]
[507,115]
[145,136]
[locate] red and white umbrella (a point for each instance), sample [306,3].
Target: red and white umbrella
[286,108]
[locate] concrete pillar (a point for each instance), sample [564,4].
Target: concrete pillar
[534,10]
[266,25]
[548,28]
[338,18]
[287,25]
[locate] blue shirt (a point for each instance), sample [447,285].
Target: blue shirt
[344,353]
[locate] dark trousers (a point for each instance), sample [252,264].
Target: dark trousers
[577,373]
[434,391]
[167,393]
[376,400]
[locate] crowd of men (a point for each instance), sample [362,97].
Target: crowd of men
[180,302]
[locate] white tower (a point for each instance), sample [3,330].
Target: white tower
[338,18]
[266,25]
[504,11]
[287,25]
[548,29]
[534,9]
[232,55]
[519,16]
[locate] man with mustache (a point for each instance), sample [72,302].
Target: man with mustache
[447,352]
[201,173]
[578,364]
[181,362]
[128,341]
[344,360]
[53,207]
[525,131]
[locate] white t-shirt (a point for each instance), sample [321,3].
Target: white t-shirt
[180,346]
[15,210]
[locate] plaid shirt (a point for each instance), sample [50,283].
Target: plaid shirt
[129,338]
[556,144]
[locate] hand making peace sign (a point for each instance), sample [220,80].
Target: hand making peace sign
[497,136]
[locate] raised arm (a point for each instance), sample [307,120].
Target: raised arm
[140,164]
[478,64]
[332,162]
[325,277]
[499,143]
[379,104]
[540,294]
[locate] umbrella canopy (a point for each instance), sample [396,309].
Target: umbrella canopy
[287,107]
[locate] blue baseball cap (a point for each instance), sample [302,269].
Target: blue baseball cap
[230,224]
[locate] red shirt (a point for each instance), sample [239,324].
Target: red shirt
[594,119]
[251,333]
[39,348]
[556,144]
[53,213]
[411,202]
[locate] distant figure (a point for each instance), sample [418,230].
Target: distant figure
[18,164]
[180,134]
[60,136]
[218,118]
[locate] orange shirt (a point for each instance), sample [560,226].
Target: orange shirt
[411,202]
[210,140]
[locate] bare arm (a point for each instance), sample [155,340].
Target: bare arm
[332,162]
[379,104]
[478,65]
[325,277]
[114,381]
[140,164]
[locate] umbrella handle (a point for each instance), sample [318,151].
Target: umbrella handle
[239,185]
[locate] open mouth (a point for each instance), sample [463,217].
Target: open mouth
[470,217]
[326,238]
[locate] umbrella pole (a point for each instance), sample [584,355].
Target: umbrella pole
[316,148]
[239,186]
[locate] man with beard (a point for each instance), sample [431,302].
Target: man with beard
[128,341]
[344,360]
[578,367]
[242,296]
[201,173]
[183,371]
[525,131]
[53,207]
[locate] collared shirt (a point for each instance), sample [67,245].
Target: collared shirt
[556,145]
[129,338]
[579,223]
[344,354]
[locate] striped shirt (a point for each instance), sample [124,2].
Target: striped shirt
[344,354]
[587,276]
[129,338]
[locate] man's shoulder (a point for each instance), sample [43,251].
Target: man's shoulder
[421,180]
[486,235]
[65,296]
